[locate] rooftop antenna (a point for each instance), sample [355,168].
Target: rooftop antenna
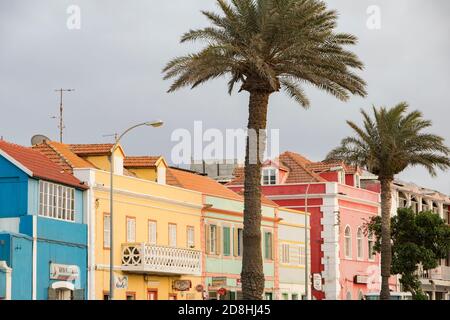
[61,111]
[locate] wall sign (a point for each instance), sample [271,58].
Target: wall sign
[361,279]
[64,272]
[121,282]
[182,285]
[317,282]
[219,281]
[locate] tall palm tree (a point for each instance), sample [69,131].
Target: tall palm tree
[266,46]
[386,145]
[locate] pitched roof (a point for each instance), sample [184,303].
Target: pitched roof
[299,168]
[61,154]
[141,162]
[39,165]
[189,180]
[97,149]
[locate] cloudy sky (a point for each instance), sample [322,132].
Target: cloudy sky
[114,62]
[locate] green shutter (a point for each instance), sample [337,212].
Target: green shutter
[268,245]
[226,241]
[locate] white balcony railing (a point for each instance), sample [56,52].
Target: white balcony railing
[440,273]
[151,259]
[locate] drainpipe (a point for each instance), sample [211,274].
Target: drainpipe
[34,258]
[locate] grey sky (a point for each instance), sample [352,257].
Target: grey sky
[114,62]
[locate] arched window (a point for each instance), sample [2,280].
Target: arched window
[349,295]
[360,295]
[359,244]
[371,251]
[348,242]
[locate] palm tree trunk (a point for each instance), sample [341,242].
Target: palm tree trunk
[252,275]
[386,251]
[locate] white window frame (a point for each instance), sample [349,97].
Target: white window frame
[359,244]
[56,201]
[347,242]
[107,231]
[152,232]
[190,235]
[131,230]
[172,235]
[266,172]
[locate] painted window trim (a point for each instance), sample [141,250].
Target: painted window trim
[348,255]
[359,239]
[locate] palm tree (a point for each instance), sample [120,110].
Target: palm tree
[386,145]
[266,46]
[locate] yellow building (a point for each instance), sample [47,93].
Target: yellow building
[157,243]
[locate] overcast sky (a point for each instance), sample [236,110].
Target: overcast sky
[114,62]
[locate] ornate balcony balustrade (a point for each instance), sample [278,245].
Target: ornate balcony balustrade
[150,259]
[440,273]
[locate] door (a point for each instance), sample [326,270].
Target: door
[152,294]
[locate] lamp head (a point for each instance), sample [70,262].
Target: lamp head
[154,124]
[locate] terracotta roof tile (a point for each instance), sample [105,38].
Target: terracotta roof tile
[91,149]
[188,180]
[41,166]
[140,162]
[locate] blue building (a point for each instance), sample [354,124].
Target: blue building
[43,232]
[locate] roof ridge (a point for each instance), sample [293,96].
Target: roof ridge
[62,157]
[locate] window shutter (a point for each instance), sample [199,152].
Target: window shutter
[78,294]
[218,240]
[226,241]
[51,294]
[152,232]
[208,240]
[235,242]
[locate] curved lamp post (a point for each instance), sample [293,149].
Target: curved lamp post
[307,286]
[155,124]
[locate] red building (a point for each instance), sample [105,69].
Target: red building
[342,260]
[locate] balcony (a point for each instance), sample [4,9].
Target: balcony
[144,258]
[440,273]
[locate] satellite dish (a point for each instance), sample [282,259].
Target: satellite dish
[38,139]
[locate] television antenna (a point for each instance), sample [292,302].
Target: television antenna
[61,112]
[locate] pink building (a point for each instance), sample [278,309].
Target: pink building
[343,264]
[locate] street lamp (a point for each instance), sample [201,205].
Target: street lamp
[334,169]
[154,124]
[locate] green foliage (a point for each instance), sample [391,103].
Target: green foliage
[417,239]
[391,141]
[271,45]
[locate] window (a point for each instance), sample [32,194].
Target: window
[360,295]
[269,176]
[402,200]
[347,242]
[106,231]
[190,237]
[294,296]
[172,235]
[349,295]
[105,295]
[226,241]
[152,233]
[359,244]
[240,242]
[212,239]
[268,252]
[285,296]
[56,201]
[371,251]
[285,253]
[131,230]
[131,296]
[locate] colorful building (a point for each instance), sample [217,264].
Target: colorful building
[222,225]
[436,282]
[343,263]
[292,253]
[43,232]
[157,246]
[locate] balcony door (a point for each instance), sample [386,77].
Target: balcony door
[152,294]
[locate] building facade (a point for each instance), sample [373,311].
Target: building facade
[157,248]
[222,237]
[343,263]
[43,232]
